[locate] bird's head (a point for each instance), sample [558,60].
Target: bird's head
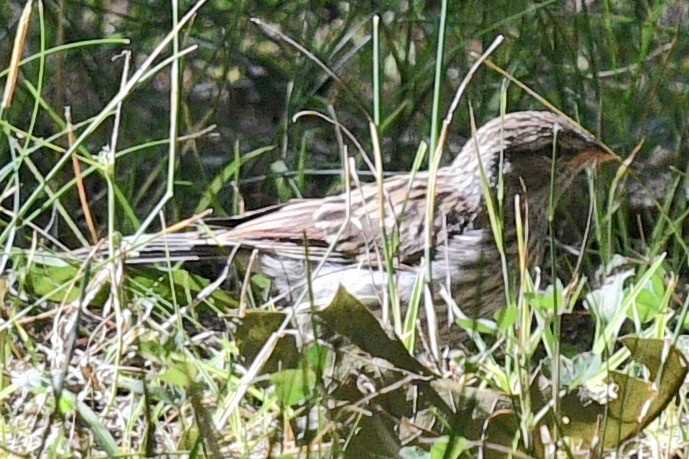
[526,140]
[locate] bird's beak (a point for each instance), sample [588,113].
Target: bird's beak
[592,157]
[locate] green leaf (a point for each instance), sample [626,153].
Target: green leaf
[186,286]
[617,312]
[65,404]
[667,365]
[605,301]
[176,376]
[629,403]
[56,283]
[293,387]
[444,449]
[318,357]
[347,316]
[261,281]
[649,302]
[575,371]
[506,317]
[544,300]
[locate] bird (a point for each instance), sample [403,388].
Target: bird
[337,239]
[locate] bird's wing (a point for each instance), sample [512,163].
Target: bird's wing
[233,221]
[352,224]
[291,222]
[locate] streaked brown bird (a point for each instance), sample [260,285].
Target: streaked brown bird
[347,231]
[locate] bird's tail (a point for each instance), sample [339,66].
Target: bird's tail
[161,247]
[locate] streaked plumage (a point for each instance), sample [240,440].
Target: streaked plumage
[464,250]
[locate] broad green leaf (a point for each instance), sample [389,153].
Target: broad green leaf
[624,404]
[56,283]
[350,318]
